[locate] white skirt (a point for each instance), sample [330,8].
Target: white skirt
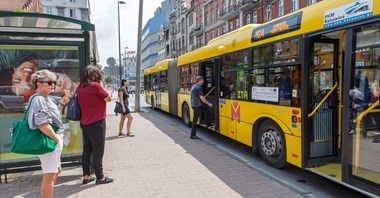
[50,162]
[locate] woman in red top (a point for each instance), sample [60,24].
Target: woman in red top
[92,99]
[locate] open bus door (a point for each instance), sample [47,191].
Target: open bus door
[361,109]
[209,71]
[323,102]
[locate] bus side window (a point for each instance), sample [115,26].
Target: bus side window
[296,91]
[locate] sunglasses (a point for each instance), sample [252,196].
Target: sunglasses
[50,82]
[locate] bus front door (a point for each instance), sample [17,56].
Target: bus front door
[323,102]
[209,72]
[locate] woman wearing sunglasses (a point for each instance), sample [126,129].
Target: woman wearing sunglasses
[43,112]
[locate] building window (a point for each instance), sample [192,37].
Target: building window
[72,13]
[231,25]
[60,11]
[183,41]
[269,13]
[212,15]
[191,19]
[49,10]
[280,7]
[191,40]
[310,2]
[237,25]
[217,32]
[295,5]
[248,18]
[84,15]
[254,17]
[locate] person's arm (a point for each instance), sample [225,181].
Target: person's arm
[204,100]
[48,130]
[108,98]
[102,92]
[121,99]
[38,117]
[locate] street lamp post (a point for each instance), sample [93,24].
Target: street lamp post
[138,64]
[125,62]
[118,23]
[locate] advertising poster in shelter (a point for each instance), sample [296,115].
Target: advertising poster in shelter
[17,64]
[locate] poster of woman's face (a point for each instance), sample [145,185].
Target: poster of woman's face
[18,63]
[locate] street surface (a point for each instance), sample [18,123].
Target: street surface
[162,161]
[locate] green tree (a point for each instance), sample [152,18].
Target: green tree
[108,79]
[20,9]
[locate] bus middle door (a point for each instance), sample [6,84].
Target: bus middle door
[323,102]
[209,72]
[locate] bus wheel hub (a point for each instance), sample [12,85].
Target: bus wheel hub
[271,143]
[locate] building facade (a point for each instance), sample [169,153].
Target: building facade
[76,9]
[34,6]
[218,17]
[151,34]
[192,24]
[129,64]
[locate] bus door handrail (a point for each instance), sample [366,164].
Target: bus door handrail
[358,121]
[208,93]
[368,110]
[323,100]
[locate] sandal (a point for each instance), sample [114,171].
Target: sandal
[130,134]
[121,134]
[86,181]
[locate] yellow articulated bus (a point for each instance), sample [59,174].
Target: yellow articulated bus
[302,89]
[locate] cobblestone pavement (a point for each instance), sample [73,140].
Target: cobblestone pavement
[160,161]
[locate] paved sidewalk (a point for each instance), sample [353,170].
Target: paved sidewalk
[160,161]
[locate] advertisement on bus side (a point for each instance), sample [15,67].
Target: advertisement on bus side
[349,12]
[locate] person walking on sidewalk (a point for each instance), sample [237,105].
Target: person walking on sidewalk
[43,112]
[92,98]
[123,98]
[197,100]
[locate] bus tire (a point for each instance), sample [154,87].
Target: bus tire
[152,103]
[186,115]
[271,144]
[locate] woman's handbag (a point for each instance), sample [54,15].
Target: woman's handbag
[28,141]
[73,110]
[118,108]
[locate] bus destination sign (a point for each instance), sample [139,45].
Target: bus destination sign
[284,25]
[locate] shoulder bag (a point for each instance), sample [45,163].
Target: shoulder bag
[28,141]
[118,108]
[73,110]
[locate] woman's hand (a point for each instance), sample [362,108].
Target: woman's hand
[64,101]
[56,138]
[66,98]
[124,110]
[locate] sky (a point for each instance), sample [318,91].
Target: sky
[104,17]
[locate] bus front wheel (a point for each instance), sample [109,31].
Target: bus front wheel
[186,115]
[271,144]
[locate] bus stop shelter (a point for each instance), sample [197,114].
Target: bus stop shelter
[30,42]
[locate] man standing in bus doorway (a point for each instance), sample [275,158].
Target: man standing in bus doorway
[197,100]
